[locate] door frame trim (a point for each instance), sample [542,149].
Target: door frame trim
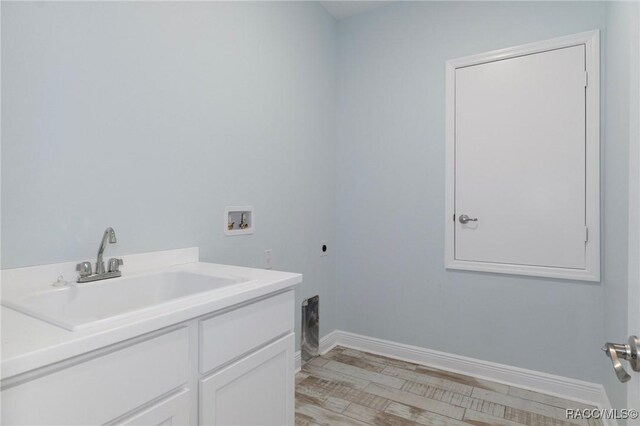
[591,41]
[633,295]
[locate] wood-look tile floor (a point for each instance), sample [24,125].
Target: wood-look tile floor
[350,387]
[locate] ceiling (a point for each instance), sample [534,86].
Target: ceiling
[345,9]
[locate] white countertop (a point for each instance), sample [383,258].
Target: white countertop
[29,343]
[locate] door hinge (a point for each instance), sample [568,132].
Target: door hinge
[586,79]
[586,234]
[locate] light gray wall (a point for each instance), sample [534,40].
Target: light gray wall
[621,47]
[151,117]
[392,282]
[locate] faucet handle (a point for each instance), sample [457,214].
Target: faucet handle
[84,269]
[114,264]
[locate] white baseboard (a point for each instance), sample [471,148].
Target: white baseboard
[562,387]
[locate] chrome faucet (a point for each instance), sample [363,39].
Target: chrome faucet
[84,268]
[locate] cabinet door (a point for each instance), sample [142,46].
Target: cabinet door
[523,201]
[257,390]
[173,411]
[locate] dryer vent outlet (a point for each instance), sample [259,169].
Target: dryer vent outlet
[309,345]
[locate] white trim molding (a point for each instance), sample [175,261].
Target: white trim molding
[633,387]
[562,387]
[591,41]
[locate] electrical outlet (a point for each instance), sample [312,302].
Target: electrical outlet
[268,259]
[324,248]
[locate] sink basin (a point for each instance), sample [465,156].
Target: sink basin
[79,306]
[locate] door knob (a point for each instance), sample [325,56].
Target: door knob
[628,352]
[466,219]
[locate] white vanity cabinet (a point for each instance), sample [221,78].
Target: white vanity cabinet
[232,366]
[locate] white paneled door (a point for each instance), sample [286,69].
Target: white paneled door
[520,149]
[521,153]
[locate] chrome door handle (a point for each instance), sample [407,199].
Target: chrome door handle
[613,350]
[466,219]
[628,352]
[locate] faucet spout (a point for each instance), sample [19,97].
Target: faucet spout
[111,235]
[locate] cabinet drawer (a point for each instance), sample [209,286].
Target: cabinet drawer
[231,334]
[99,389]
